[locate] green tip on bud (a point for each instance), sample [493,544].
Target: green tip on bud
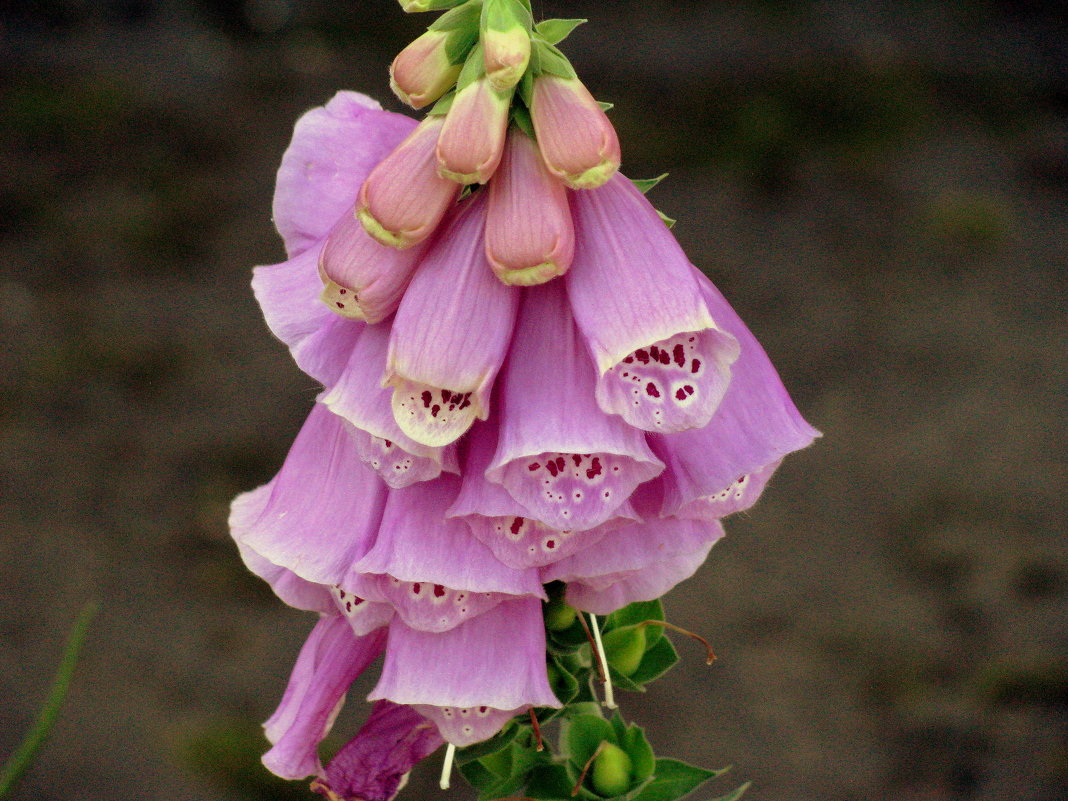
[624,648]
[558,615]
[418,6]
[612,771]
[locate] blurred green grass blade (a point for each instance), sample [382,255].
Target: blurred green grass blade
[46,718]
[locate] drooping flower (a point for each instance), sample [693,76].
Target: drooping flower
[422,72]
[471,142]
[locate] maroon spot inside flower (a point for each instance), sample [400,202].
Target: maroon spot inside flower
[654,352]
[348,606]
[356,601]
[550,544]
[417,588]
[434,410]
[628,360]
[439,591]
[642,356]
[388,443]
[679,355]
[533,466]
[340,593]
[680,394]
[695,365]
[483,709]
[427,398]
[339,304]
[517,523]
[689,389]
[594,470]
[651,390]
[559,462]
[576,459]
[665,357]
[445,396]
[342,291]
[554,471]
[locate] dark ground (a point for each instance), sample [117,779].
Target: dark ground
[881,190]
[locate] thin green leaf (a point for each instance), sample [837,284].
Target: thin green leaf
[46,718]
[673,779]
[646,184]
[521,117]
[640,752]
[668,221]
[465,16]
[606,106]
[555,31]
[734,795]
[551,60]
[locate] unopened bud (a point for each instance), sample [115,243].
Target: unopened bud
[472,139]
[530,237]
[625,648]
[612,771]
[421,72]
[558,615]
[577,140]
[403,199]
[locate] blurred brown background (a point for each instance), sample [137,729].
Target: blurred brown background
[881,190]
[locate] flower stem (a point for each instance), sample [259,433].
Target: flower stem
[446,767]
[46,718]
[609,695]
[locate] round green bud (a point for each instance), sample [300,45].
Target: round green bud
[611,774]
[625,648]
[558,615]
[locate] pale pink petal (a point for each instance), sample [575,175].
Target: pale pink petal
[450,334]
[334,148]
[663,361]
[359,397]
[567,462]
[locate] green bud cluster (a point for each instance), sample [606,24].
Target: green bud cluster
[595,757]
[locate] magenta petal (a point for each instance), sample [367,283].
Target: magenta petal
[373,764]
[502,523]
[434,572]
[334,148]
[496,660]
[331,659]
[287,585]
[288,294]
[358,396]
[324,505]
[450,334]
[724,466]
[567,462]
[662,359]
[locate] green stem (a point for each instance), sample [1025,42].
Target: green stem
[46,718]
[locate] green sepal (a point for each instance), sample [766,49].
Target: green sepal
[504,772]
[659,658]
[466,16]
[503,15]
[606,106]
[555,31]
[734,794]
[458,45]
[549,782]
[673,779]
[504,738]
[551,60]
[525,88]
[474,68]
[639,751]
[521,117]
[668,221]
[637,612]
[442,107]
[579,737]
[437,5]
[644,185]
[565,685]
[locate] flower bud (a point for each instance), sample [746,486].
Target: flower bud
[472,138]
[558,615]
[530,237]
[577,140]
[505,42]
[403,199]
[611,774]
[421,72]
[624,648]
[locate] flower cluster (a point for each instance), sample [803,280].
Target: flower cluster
[524,384]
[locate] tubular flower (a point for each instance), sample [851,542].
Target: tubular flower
[484,428]
[422,72]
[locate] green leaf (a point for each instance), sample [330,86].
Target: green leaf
[478,775]
[442,106]
[646,184]
[565,686]
[658,660]
[555,31]
[22,757]
[459,43]
[606,106]
[549,782]
[673,779]
[734,795]
[668,221]
[474,68]
[525,89]
[466,16]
